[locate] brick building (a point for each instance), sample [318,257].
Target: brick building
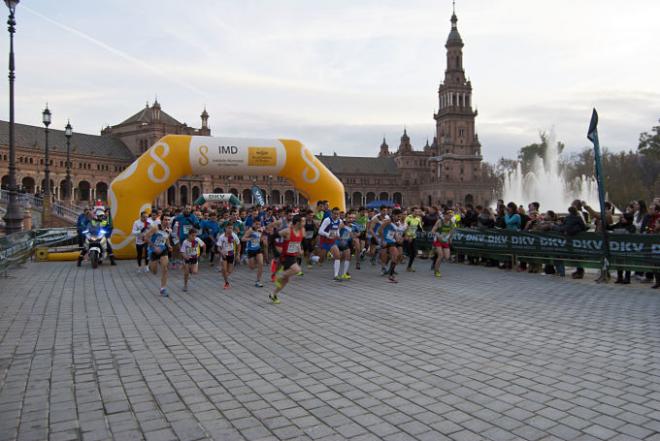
[450,170]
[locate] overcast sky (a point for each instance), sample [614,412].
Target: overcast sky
[338,75]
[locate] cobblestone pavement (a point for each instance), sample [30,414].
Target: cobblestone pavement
[478,354]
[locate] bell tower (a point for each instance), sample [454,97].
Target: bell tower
[458,149]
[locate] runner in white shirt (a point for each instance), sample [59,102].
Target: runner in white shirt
[190,250]
[229,247]
[140,229]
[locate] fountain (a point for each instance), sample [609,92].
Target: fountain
[546,183]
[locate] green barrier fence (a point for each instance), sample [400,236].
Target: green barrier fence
[640,252]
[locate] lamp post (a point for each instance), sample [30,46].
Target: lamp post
[270,190]
[13,217]
[68,132]
[45,216]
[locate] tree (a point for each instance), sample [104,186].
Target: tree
[528,154]
[649,143]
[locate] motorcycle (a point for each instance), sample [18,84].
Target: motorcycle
[96,245]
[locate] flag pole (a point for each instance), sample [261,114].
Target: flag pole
[592,135]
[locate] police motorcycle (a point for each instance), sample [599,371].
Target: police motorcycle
[96,245]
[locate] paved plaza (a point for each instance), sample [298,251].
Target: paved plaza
[478,354]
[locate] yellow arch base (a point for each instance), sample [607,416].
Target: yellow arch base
[63,257]
[175,156]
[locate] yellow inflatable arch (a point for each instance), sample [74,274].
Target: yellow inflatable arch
[175,156]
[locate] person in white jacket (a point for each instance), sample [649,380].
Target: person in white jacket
[140,229]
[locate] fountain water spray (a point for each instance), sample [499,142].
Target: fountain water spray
[547,184]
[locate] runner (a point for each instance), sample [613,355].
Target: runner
[442,231]
[388,233]
[329,232]
[190,251]
[158,240]
[229,247]
[413,224]
[309,242]
[375,225]
[254,252]
[360,235]
[345,244]
[211,228]
[140,228]
[291,249]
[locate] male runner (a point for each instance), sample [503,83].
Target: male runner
[309,242]
[190,251]
[140,228]
[291,249]
[229,247]
[254,252]
[389,241]
[442,232]
[344,245]
[158,240]
[329,232]
[413,224]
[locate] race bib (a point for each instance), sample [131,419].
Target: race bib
[186,229]
[309,234]
[293,248]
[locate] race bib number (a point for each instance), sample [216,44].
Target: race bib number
[186,229]
[309,234]
[293,248]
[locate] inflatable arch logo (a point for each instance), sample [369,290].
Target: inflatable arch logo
[175,156]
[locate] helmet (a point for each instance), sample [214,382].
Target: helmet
[99,214]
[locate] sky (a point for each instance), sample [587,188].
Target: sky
[339,75]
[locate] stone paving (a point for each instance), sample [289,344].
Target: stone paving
[478,354]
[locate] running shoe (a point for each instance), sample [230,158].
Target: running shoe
[227,286]
[185,288]
[300,273]
[163,292]
[259,284]
[437,274]
[410,269]
[346,276]
[392,279]
[309,266]
[357,265]
[273,298]
[337,279]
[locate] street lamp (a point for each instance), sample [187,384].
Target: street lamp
[46,120]
[68,132]
[13,217]
[270,189]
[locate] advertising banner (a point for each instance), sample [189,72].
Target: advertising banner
[625,249]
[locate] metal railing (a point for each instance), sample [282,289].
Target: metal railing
[17,248]
[66,212]
[23,198]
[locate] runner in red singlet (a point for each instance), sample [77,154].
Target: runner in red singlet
[291,251]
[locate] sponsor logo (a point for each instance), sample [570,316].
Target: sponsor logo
[227,149]
[203,151]
[262,156]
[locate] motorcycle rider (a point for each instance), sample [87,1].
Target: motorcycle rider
[99,221]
